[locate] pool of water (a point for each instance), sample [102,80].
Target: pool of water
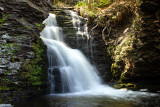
[88,101]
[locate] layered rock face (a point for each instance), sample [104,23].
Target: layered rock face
[22,53]
[134,48]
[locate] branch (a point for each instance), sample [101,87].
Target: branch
[103,36]
[94,28]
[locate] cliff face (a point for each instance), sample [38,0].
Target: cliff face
[22,55]
[134,46]
[130,30]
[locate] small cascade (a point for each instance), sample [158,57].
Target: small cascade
[76,20]
[69,70]
[80,24]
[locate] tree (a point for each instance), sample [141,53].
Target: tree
[89,4]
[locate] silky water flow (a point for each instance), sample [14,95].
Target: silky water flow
[76,75]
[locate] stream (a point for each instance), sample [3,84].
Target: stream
[74,82]
[87,101]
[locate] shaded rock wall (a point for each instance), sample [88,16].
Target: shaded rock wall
[22,53]
[134,48]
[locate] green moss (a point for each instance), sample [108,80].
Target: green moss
[4,88]
[1,100]
[34,70]
[2,20]
[11,47]
[39,26]
[34,73]
[101,3]
[125,85]
[115,70]
[28,27]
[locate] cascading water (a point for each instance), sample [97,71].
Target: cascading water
[82,31]
[76,73]
[77,24]
[71,69]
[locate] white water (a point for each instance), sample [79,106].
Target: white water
[78,76]
[82,32]
[76,24]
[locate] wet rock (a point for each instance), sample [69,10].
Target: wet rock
[5,36]
[57,78]
[15,65]
[2,41]
[3,66]
[18,33]
[6,105]
[1,8]
[13,72]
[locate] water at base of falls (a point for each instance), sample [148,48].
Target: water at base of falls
[70,72]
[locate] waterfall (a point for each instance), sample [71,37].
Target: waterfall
[70,72]
[67,66]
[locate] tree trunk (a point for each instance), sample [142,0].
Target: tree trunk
[89,4]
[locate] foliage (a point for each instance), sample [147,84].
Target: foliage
[82,7]
[101,3]
[81,3]
[61,4]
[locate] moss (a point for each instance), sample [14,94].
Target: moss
[34,74]
[125,54]
[4,88]
[39,26]
[125,85]
[34,69]
[27,27]
[11,47]
[1,100]
[2,20]
[115,71]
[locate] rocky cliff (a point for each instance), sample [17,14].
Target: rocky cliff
[132,42]
[130,31]
[22,53]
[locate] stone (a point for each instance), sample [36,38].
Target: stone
[3,66]
[6,105]
[1,8]
[2,41]
[5,36]
[15,65]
